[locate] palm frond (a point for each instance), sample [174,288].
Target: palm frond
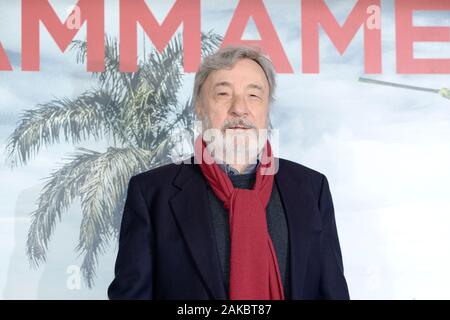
[63,119]
[102,194]
[210,42]
[100,180]
[62,186]
[153,95]
[112,61]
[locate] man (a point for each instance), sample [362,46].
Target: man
[232,223]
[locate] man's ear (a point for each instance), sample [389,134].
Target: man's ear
[198,110]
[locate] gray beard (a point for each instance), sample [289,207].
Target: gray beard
[233,147]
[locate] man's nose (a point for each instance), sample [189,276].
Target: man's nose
[238,106]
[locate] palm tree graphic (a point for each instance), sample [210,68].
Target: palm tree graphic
[138,114]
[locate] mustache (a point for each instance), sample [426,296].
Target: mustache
[238,122]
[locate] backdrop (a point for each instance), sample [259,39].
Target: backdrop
[94,93]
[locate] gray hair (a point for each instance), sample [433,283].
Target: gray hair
[225,58]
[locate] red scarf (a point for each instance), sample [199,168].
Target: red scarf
[254,271]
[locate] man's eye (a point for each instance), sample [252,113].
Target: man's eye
[223,93]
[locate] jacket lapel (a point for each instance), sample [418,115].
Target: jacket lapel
[302,222]
[192,212]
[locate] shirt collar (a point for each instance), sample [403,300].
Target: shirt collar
[229,170]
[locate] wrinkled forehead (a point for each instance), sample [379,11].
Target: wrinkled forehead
[244,73]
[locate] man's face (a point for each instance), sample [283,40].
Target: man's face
[230,94]
[235,100]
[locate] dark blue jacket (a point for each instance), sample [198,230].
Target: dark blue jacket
[167,249]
